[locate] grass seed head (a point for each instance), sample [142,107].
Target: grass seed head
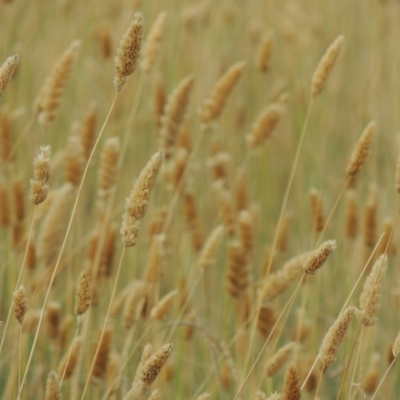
[7,70]
[128,53]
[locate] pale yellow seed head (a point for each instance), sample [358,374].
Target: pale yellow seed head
[7,71]
[20,304]
[325,66]
[334,337]
[371,293]
[137,202]
[127,58]
[361,151]
[396,346]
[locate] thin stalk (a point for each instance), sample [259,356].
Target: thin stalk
[318,385]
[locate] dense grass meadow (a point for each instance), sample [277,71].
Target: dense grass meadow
[199,199]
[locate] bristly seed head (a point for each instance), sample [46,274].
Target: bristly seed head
[137,202]
[361,151]
[7,71]
[325,66]
[318,257]
[129,48]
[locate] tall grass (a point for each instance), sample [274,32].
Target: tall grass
[240,130]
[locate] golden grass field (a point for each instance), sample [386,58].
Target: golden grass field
[220,204]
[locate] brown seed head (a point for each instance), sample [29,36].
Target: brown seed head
[152,367]
[281,357]
[318,257]
[83,294]
[264,53]
[20,303]
[107,255]
[48,100]
[137,202]
[41,174]
[6,142]
[104,37]
[4,201]
[53,318]
[291,384]
[174,115]
[7,71]
[128,52]
[361,151]
[247,231]
[41,164]
[18,198]
[325,66]
[238,273]
[88,130]
[318,219]
[192,219]
[74,160]
[265,125]
[351,214]
[108,166]
[213,106]
[159,102]
[266,320]
[334,337]
[39,191]
[53,388]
